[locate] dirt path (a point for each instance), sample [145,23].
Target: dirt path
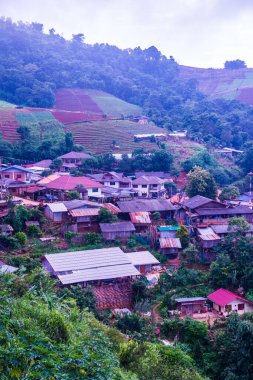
[155,314]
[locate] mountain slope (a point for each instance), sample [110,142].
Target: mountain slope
[222,83]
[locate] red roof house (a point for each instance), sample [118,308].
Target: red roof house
[225,302]
[69,183]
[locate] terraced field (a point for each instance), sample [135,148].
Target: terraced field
[97,137]
[93,102]
[222,83]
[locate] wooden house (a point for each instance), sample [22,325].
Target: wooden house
[73,160]
[118,230]
[191,305]
[170,247]
[224,302]
[207,237]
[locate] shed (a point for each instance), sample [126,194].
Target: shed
[209,240]
[191,305]
[118,230]
[142,260]
[170,247]
[56,211]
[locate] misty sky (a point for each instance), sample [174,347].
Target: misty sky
[201,33]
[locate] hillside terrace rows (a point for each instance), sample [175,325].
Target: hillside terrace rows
[75,100]
[9,125]
[99,140]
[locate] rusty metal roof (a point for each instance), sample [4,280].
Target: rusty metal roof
[170,243]
[210,237]
[114,209]
[84,212]
[140,217]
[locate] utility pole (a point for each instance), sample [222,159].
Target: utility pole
[250,184]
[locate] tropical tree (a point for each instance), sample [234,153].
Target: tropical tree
[201,182]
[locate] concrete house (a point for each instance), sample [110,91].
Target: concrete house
[149,187]
[113,180]
[16,173]
[225,302]
[84,185]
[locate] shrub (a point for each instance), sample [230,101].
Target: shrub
[33,231]
[106,216]
[21,237]
[92,238]
[69,236]
[156,216]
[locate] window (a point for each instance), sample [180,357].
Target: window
[135,186]
[6,176]
[95,190]
[112,183]
[240,306]
[145,186]
[19,176]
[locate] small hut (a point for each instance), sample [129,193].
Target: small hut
[119,230]
[170,247]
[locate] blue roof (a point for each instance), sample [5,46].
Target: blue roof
[168,228]
[16,167]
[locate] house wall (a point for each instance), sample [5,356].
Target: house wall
[122,235]
[92,193]
[108,183]
[143,268]
[15,175]
[55,216]
[234,307]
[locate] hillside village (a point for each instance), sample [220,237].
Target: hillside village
[126,220]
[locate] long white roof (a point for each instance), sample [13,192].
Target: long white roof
[102,273]
[93,258]
[142,258]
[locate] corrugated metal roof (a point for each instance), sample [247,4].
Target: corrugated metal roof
[190,299]
[168,228]
[76,155]
[208,237]
[48,179]
[69,182]
[93,258]
[196,201]
[205,231]
[84,212]
[237,210]
[140,217]
[4,268]
[170,243]
[57,207]
[148,180]
[102,273]
[114,209]
[117,227]
[142,258]
[146,205]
